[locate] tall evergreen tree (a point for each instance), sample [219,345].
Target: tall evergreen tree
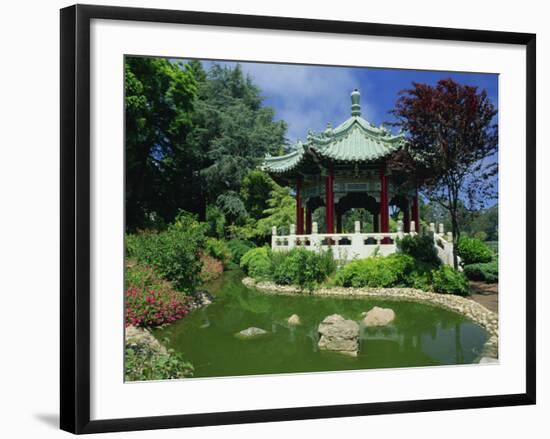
[159,98]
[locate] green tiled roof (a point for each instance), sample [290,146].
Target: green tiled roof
[355,140]
[284,163]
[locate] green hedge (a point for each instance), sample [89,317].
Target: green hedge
[447,280]
[487,271]
[302,267]
[473,251]
[257,263]
[377,272]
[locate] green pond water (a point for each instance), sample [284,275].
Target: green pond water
[421,335]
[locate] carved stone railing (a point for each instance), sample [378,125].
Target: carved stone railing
[443,243]
[357,245]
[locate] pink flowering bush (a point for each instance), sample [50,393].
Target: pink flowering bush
[147,307]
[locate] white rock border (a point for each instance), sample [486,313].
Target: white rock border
[472,310]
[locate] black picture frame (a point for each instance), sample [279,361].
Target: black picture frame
[75,217]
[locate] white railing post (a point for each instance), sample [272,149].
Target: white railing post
[413,227]
[441,229]
[314,241]
[400,229]
[292,236]
[273,237]
[357,226]
[432,227]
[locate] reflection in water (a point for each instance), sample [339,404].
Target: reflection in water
[421,335]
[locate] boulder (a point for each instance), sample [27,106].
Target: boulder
[378,317]
[339,335]
[294,320]
[251,332]
[142,339]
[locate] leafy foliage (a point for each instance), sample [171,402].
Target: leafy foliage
[281,212]
[302,267]
[487,272]
[473,251]
[451,139]
[419,247]
[147,307]
[159,98]
[173,253]
[231,128]
[144,364]
[447,280]
[238,248]
[257,263]
[377,271]
[218,249]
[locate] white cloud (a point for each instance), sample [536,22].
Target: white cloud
[307,97]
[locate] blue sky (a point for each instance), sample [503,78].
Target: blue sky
[307,97]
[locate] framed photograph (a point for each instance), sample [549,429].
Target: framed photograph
[273,218]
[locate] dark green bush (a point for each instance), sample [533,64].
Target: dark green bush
[302,267]
[377,272]
[419,247]
[256,263]
[447,280]
[219,250]
[238,248]
[173,253]
[473,251]
[145,364]
[487,271]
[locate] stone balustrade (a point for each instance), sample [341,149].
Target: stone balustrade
[357,245]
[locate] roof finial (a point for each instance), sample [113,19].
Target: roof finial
[355,105]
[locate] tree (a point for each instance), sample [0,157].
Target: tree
[256,189]
[159,98]
[281,211]
[231,129]
[451,142]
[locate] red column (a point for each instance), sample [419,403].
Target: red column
[406,217]
[415,215]
[329,199]
[384,212]
[308,220]
[299,208]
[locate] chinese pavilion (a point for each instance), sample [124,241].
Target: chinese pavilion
[344,168]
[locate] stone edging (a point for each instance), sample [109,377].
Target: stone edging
[474,311]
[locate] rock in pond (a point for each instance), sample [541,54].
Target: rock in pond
[294,320]
[251,332]
[378,317]
[339,335]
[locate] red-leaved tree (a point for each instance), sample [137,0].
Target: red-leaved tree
[451,145]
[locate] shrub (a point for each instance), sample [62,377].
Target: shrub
[377,272]
[174,253]
[419,247]
[211,268]
[144,277]
[487,271]
[302,267]
[146,307]
[447,280]
[238,248]
[473,251]
[219,250]
[256,263]
[144,364]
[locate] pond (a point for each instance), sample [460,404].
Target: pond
[421,335]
